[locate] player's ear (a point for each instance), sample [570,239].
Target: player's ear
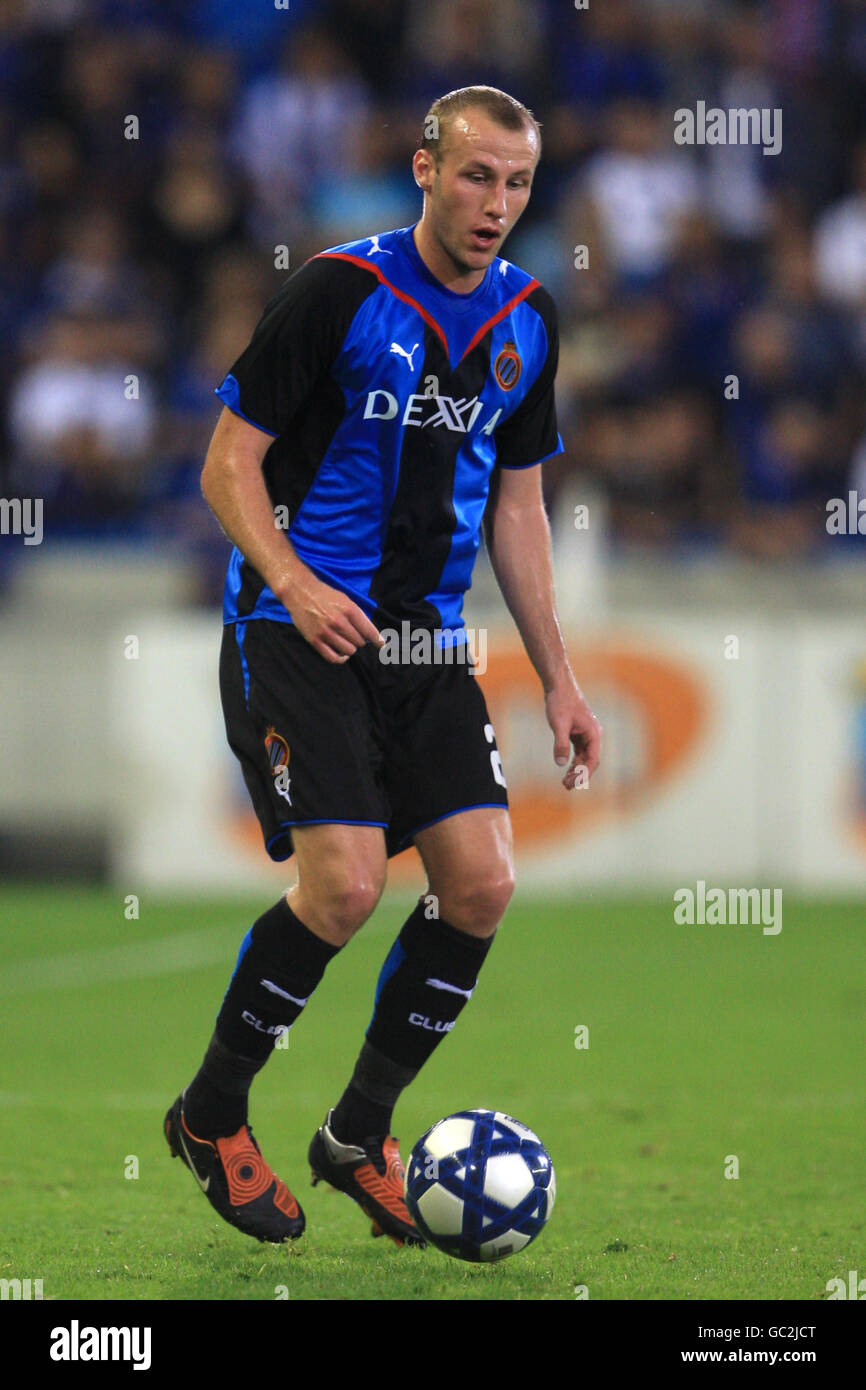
[422,168]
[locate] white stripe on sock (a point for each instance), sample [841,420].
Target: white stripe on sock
[275,989]
[452,989]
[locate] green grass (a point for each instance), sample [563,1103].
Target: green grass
[703,1042]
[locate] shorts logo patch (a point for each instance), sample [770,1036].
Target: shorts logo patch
[277,750]
[278,757]
[508,366]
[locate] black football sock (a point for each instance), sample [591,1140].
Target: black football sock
[367,1104]
[427,979]
[279,966]
[215,1102]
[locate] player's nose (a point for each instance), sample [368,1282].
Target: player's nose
[497,205]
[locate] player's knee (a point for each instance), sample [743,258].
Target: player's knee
[347,903]
[494,897]
[478,905]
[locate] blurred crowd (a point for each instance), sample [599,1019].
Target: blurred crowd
[164,162]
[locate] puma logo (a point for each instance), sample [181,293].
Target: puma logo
[395,347]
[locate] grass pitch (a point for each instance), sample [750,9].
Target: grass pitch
[706,1044]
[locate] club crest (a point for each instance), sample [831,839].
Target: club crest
[277,750]
[508,366]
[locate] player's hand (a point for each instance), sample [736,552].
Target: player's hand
[331,623]
[575,730]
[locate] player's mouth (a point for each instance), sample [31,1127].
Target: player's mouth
[485,237]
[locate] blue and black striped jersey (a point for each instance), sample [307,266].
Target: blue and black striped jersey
[391,399]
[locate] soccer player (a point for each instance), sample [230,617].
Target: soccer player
[396,396]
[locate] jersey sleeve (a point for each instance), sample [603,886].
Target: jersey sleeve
[295,343]
[530,435]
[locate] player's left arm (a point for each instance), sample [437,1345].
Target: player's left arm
[518,541]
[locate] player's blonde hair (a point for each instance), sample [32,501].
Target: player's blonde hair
[505,110]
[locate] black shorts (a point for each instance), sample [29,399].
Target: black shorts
[362,743]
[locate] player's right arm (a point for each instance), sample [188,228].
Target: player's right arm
[234,488]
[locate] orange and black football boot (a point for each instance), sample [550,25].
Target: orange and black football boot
[372,1175]
[236,1180]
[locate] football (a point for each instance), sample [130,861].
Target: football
[480,1185]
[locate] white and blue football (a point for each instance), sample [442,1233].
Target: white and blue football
[480,1185]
